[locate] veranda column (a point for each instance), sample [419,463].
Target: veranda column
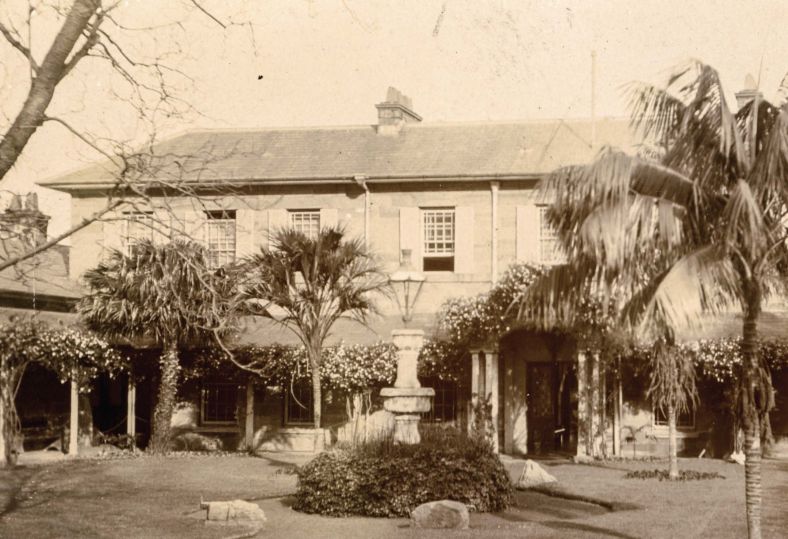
[249,424]
[582,405]
[617,391]
[131,408]
[595,398]
[491,388]
[474,388]
[73,424]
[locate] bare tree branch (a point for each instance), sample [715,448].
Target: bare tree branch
[111,205]
[15,43]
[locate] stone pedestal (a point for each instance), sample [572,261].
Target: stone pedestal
[407,398]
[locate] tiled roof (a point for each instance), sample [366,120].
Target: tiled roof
[772,325]
[44,275]
[263,331]
[526,148]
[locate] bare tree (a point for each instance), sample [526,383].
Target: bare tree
[94,38]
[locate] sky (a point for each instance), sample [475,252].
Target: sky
[310,62]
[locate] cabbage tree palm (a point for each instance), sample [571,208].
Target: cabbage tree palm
[159,294]
[307,283]
[672,389]
[700,227]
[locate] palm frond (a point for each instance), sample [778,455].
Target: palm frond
[699,282]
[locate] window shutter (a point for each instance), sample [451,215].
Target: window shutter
[245,244]
[329,217]
[192,227]
[527,248]
[410,235]
[463,239]
[277,220]
[112,232]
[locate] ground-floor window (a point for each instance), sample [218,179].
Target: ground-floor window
[685,419]
[444,406]
[219,402]
[298,404]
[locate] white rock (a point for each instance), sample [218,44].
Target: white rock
[441,514]
[237,510]
[533,475]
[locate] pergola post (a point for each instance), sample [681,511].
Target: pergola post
[475,389]
[582,405]
[131,409]
[596,408]
[249,423]
[491,390]
[73,433]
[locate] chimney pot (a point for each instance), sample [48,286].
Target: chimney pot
[748,93]
[395,111]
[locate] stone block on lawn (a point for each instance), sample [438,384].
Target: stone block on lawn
[440,514]
[533,475]
[235,510]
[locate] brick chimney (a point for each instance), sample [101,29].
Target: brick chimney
[24,220]
[748,93]
[394,112]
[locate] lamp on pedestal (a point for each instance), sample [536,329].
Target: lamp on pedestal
[407,398]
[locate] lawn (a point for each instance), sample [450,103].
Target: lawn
[159,497]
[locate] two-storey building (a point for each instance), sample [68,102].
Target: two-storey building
[460,197]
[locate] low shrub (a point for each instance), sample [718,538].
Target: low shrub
[382,479]
[662,475]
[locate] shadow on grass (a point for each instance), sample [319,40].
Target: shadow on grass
[595,530]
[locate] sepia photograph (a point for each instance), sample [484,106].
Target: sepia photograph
[393,269]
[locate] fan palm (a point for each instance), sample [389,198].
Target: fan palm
[308,283]
[698,229]
[159,293]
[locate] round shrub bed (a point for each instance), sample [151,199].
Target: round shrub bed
[387,480]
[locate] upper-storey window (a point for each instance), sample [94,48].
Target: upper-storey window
[220,237]
[439,240]
[305,221]
[138,226]
[549,247]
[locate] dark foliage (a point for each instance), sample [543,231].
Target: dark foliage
[387,480]
[662,475]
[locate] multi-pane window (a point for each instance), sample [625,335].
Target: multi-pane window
[549,248]
[444,405]
[138,226]
[219,402]
[685,419]
[298,404]
[220,238]
[305,221]
[438,247]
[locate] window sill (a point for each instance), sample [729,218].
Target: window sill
[218,427]
[661,431]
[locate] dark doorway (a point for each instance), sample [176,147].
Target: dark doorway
[552,406]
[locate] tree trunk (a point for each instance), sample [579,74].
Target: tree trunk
[752,429]
[673,471]
[6,425]
[44,83]
[165,404]
[317,399]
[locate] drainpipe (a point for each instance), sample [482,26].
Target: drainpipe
[361,181]
[494,232]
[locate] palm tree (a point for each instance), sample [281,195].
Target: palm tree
[672,389]
[159,293]
[308,283]
[700,228]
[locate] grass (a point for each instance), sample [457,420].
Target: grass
[159,497]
